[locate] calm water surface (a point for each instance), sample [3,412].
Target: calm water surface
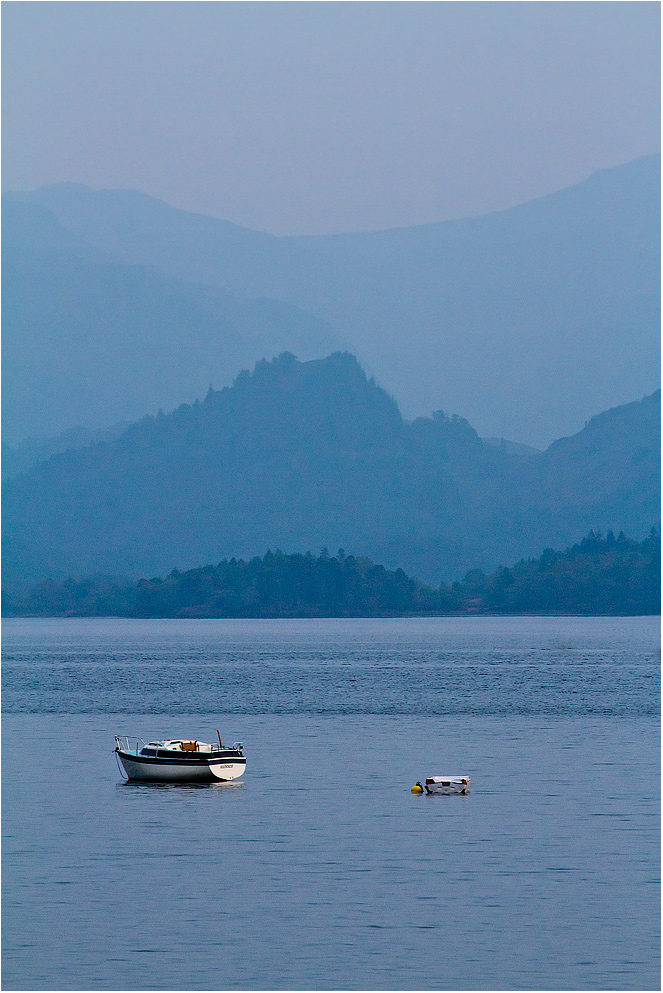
[319,869]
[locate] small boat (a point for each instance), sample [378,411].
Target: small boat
[180,761]
[446,784]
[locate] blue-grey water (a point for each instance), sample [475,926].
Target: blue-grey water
[319,869]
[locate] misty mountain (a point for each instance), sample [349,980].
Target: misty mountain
[90,341]
[35,449]
[309,455]
[559,296]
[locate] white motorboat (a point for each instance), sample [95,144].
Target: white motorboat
[180,761]
[446,784]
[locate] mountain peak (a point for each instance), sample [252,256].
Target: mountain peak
[465,314]
[329,396]
[312,454]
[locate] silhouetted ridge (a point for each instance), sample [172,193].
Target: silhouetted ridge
[616,424]
[527,320]
[284,404]
[87,336]
[313,454]
[325,397]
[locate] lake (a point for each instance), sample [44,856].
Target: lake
[319,869]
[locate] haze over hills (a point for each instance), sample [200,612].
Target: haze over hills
[529,321]
[526,321]
[89,341]
[300,456]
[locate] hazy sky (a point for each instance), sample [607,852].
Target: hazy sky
[307,117]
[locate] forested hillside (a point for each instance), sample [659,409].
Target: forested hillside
[597,576]
[600,575]
[311,455]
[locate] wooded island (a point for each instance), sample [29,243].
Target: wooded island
[600,575]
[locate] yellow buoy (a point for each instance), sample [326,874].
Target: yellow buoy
[417,789]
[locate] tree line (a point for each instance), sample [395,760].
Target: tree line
[599,575]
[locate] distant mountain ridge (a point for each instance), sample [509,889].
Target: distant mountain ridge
[89,341]
[561,294]
[35,450]
[312,454]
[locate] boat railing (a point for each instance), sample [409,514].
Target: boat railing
[122,742]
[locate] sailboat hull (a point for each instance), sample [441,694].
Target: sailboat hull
[168,767]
